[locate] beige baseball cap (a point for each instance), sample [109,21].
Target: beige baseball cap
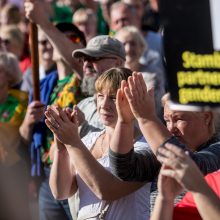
[101,46]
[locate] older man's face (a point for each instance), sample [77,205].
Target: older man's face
[92,68]
[95,66]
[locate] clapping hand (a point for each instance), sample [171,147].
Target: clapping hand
[182,168]
[140,99]
[64,127]
[125,114]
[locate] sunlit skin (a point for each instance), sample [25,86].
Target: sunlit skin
[106,107]
[192,128]
[133,48]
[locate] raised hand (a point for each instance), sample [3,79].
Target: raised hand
[125,114]
[35,11]
[182,167]
[64,129]
[168,187]
[35,112]
[140,99]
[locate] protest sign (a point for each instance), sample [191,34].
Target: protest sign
[192,52]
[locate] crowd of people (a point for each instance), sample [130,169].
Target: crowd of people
[102,141]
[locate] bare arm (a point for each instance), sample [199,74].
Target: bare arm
[99,180]
[62,177]
[123,136]
[104,184]
[35,11]
[168,189]
[207,202]
[142,104]
[163,209]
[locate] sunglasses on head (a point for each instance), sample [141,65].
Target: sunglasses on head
[74,38]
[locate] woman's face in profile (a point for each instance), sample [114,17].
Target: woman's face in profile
[192,128]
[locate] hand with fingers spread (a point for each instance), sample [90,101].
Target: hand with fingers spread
[125,114]
[140,99]
[64,129]
[182,167]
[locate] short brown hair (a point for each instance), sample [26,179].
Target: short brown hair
[111,79]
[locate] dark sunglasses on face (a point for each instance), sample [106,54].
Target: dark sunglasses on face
[43,42]
[95,59]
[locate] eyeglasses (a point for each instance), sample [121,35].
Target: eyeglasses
[43,42]
[95,59]
[5,41]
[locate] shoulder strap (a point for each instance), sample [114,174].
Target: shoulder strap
[104,211]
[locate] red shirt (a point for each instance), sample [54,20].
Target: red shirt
[24,64]
[186,208]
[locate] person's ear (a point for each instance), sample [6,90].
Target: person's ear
[208,117]
[119,63]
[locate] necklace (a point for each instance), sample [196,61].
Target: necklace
[102,146]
